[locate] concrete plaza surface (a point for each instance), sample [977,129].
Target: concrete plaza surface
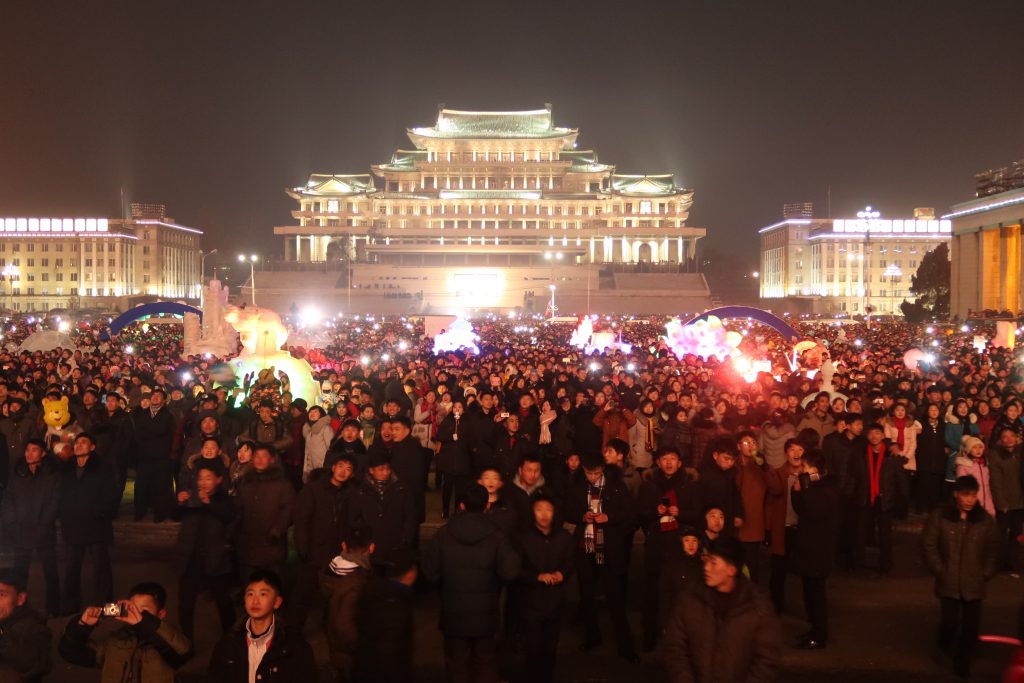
[882,629]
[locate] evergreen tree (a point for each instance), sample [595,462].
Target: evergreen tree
[931,287]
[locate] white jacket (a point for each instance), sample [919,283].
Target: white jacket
[910,432]
[318,439]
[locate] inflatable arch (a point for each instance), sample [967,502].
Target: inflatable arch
[733,312]
[156,308]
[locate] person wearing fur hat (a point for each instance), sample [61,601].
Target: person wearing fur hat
[972,462]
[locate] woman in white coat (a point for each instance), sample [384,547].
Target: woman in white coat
[318,434]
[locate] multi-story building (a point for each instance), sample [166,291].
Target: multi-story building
[987,253]
[489,210]
[97,262]
[846,265]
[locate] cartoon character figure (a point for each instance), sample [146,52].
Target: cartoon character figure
[60,430]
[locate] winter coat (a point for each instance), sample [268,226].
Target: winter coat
[910,431]
[88,503]
[520,501]
[16,431]
[822,425]
[955,431]
[619,505]
[410,463]
[563,436]
[154,435]
[614,424]
[30,504]
[962,554]
[205,534]
[341,594]
[483,432]
[773,440]
[752,482]
[817,534]
[676,435]
[543,554]
[639,455]
[893,482]
[384,626]
[148,652]
[319,518]
[25,647]
[318,437]
[931,448]
[470,558]
[665,544]
[1004,475]
[356,450]
[288,658]
[743,647]
[265,501]
[391,515]
[454,436]
[778,483]
[718,487]
[588,436]
[979,469]
[509,451]
[275,433]
[190,469]
[676,577]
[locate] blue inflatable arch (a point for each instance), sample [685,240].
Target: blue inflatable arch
[156,308]
[733,312]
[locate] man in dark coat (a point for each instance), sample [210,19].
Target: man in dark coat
[668,501]
[510,447]
[717,482]
[88,505]
[115,436]
[383,503]
[548,556]
[408,463]
[263,644]
[29,516]
[524,487]
[17,428]
[724,631]
[483,432]
[24,637]
[850,473]
[961,549]
[265,499]
[604,513]
[384,623]
[884,486]
[816,501]
[155,428]
[470,557]
[320,517]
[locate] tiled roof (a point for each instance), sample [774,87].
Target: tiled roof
[328,184]
[452,123]
[644,184]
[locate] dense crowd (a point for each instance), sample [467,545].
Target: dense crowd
[550,468]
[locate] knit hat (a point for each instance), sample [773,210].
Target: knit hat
[967,443]
[299,403]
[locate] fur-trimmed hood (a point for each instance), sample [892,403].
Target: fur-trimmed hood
[951,417]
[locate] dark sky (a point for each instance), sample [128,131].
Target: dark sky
[213,107]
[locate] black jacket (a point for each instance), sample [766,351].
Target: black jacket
[618,504]
[962,555]
[410,466]
[665,544]
[455,457]
[894,482]
[319,518]
[30,505]
[390,514]
[818,509]
[483,433]
[88,502]
[355,450]
[718,487]
[471,558]
[384,622]
[24,647]
[288,659]
[931,448]
[521,503]
[509,452]
[154,436]
[205,534]
[544,554]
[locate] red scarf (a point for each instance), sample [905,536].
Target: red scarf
[875,471]
[900,424]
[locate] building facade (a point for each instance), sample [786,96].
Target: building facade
[50,263]
[489,210]
[987,254]
[846,265]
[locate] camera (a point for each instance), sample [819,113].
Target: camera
[114,609]
[504,416]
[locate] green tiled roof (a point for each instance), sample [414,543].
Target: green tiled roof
[328,184]
[583,161]
[404,160]
[644,184]
[452,123]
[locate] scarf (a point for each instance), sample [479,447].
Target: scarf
[593,535]
[875,472]
[901,426]
[649,436]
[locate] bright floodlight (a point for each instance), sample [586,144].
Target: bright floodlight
[929,358]
[364,360]
[631,367]
[241,258]
[186,376]
[385,357]
[547,255]
[129,349]
[551,287]
[858,342]
[254,258]
[964,328]
[310,316]
[403,345]
[63,326]
[930,329]
[594,367]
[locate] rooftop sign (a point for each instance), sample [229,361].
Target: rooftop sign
[878,225]
[54,225]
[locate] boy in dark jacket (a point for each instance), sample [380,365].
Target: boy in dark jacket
[24,638]
[263,643]
[547,564]
[470,557]
[961,549]
[384,623]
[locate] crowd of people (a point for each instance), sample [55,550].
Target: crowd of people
[550,469]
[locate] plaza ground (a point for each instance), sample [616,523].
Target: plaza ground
[882,629]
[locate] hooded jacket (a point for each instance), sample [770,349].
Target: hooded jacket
[318,436]
[962,554]
[470,558]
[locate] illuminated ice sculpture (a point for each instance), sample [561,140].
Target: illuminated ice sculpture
[585,339]
[705,338]
[262,334]
[214,336]
[459,335]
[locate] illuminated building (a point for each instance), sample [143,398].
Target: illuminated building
[844,265]
[987,253]
[488,210]
[96,262]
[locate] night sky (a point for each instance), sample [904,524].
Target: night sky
[214,107]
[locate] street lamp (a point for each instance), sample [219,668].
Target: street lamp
[251,260]
[552,288]
[553,257]
[10,273]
